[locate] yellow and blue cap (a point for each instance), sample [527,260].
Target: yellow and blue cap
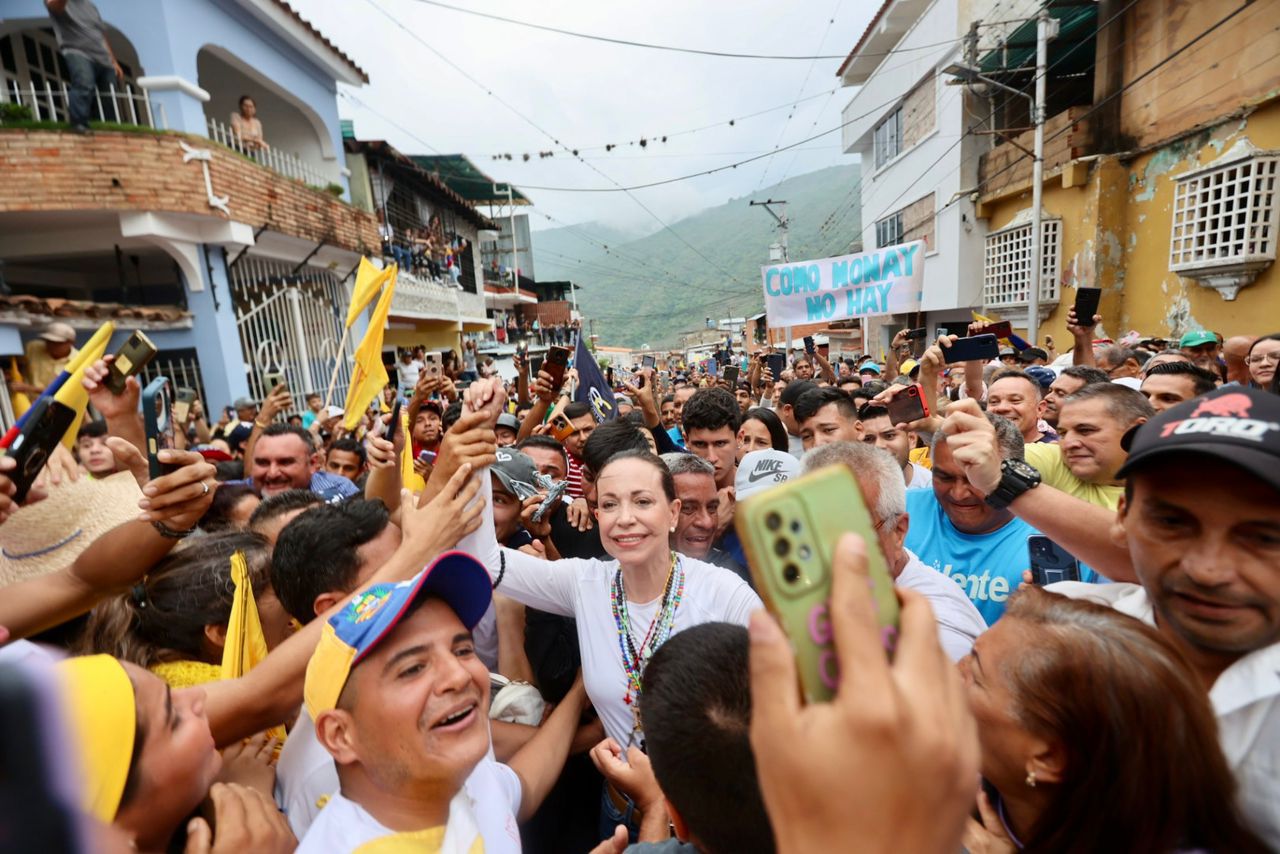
[371,615]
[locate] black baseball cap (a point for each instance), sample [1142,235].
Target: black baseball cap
[1235,424]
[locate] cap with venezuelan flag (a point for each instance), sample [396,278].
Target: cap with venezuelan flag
[371,615]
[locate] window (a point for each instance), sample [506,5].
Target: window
[1225,220]
[888,138]
[889,230]
[1007,266]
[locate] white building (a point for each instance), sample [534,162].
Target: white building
[919,165]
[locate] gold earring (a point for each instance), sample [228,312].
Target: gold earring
[1031,779]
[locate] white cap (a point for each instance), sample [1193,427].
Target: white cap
[760,470]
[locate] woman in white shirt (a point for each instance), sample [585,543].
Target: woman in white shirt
[247,126]
[628,606]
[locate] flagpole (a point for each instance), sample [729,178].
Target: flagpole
[337,365]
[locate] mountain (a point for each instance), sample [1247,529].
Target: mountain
[646,290]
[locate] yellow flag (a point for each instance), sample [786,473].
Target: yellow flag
[369,280]
[369,375]
[72,393]
[411,479]
[19,401]
[245,645]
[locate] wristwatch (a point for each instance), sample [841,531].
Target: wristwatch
[1016,477]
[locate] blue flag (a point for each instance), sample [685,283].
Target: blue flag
[592,389]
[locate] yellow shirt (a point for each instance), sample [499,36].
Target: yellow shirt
[920,456]
[1047,458]
[42,368]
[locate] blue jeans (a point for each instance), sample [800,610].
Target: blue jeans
[610,817]
[403,257]
[86,76]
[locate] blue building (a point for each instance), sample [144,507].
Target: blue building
[236,260]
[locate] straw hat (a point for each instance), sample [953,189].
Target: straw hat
[50,534]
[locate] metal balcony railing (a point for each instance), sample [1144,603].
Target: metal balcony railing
[123,105]
[288,165]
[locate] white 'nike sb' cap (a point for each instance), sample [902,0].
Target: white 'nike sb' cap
[760,470]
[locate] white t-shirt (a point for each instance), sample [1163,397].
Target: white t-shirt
[581,589]
[921,477]
[1245,700]
[409,372]
[344,826]
[307,788]
[959,622]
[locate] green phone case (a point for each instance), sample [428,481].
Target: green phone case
[790,534]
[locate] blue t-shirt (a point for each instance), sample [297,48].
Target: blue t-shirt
[988,567]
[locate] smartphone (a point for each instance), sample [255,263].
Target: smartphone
[535,365]
[648,362]
[156,414]
[730,375]
[908,406]
[916,334]
[1087,300]
[776,363]
[427,456]
[561,428]
[394,424]
[272,380]
[133,356]
[790,533]
[182,404]
[808,345]
[1050,562]
[979,347]
[44,429]
[433,365]
[557,362]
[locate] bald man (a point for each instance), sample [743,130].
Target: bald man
[1234,349]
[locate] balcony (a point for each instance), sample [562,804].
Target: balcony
[421,298]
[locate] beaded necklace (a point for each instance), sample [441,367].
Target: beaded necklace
[634,659]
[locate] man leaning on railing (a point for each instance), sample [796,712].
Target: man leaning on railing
[91,64]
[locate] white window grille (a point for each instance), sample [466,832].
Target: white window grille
[1225,219]
[1007,266]
[887,138]
[889,230]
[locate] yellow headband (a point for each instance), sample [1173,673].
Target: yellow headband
[100,707]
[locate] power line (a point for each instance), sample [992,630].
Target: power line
[648,45]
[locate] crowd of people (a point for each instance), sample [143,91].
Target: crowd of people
[489,619]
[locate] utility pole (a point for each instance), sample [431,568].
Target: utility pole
[1046,28]
[780,253]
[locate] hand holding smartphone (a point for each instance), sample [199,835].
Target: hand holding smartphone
[1086,305]
[556,364]
[907,406]
[977,348]
[44,429]
[1050,562]
[790,534]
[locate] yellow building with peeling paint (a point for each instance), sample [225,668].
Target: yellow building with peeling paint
[1164,191]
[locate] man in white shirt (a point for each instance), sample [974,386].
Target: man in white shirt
[959,621]
[1200,518]
[897,440]
[400,700]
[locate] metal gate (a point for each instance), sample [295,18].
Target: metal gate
[291,322]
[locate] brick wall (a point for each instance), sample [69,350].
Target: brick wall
[548,313]
[110,170]
[917,112]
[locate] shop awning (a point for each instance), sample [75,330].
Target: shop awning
[1071,52]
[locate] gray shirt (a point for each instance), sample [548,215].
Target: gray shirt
[80,30]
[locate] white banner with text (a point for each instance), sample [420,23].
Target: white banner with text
[883,281]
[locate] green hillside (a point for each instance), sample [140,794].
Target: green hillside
[648,289]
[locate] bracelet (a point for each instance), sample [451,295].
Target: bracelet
[169,533]
[260,425]
[502,569]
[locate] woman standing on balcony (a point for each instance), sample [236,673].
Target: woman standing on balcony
[248,126]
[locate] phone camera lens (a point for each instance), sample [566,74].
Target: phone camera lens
[804,553]
[791,573]
[781,547]
[773,521]
[795,527]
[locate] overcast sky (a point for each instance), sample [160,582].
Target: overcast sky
[589,94]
